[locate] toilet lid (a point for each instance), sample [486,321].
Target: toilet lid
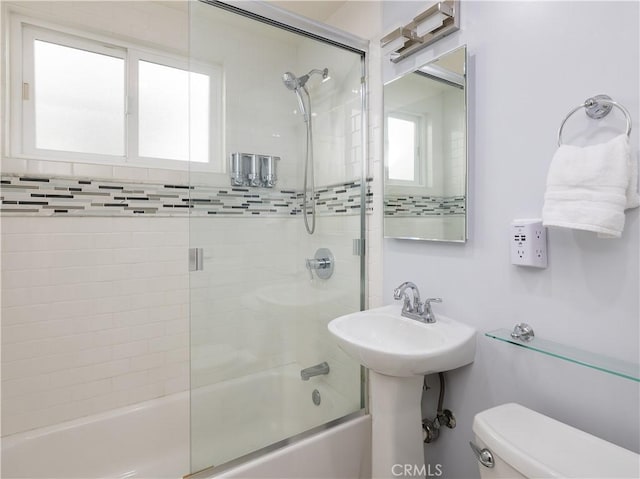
[539,446]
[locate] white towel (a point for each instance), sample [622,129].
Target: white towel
[589,188]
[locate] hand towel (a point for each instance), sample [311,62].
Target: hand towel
[588,188]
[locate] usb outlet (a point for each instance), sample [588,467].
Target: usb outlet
[528,240]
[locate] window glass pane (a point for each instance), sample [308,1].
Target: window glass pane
[402,149]
[165,115]
[79,100]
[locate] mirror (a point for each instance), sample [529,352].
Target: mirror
[425,151]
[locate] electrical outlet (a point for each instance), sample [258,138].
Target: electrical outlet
[528,242]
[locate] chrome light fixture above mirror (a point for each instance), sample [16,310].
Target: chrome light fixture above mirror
[437,21]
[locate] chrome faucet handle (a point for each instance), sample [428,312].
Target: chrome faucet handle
[323,263]
[397,294]
[427,312]
[307,263]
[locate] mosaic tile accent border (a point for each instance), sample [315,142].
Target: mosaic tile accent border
[408,205]
[40,196]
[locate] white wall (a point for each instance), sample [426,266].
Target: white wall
[337,112]
[529,64]
[258,107]
[262,113]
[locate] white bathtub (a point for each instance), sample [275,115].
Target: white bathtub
[152,439]
[242,415]
[147,440]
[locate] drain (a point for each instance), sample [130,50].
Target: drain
[315,397]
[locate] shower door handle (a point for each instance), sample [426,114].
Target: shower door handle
[196,259]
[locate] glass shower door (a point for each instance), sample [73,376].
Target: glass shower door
[263,367]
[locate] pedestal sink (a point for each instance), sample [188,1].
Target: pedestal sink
[399,352]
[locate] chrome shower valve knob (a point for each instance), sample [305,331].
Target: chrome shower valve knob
[322,263]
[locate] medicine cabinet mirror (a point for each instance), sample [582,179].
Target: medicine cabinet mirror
[425,151]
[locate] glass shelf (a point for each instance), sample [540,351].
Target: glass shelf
[609,365]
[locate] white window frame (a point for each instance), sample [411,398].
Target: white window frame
[418,158]
[24,30]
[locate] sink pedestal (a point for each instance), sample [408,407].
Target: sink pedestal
[398,351]
[397,425]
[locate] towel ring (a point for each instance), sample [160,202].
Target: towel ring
[597,107]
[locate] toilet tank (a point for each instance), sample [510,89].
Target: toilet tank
[532,445]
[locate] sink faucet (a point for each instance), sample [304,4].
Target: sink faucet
[408,305]
[412,307]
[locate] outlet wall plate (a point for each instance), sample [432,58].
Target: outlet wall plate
[528,240]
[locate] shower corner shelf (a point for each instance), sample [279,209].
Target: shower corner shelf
[600,362]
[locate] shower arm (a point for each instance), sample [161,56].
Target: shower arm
[322,73]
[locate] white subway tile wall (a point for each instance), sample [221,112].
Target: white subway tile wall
[94,315]
[375,168]
[254,306]
[95,310]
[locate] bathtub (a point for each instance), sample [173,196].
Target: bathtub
[146,440]
[152,439]
[257,410]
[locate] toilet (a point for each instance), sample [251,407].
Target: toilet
[514,442]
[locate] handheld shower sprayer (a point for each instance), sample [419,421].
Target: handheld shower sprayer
[296,84]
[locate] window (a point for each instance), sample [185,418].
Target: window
[403,148]
[165,113]
[78,102]
[83,99]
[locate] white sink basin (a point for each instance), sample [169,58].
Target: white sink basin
[399,352]
[388,343]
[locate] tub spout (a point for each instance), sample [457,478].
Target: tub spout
[317,370]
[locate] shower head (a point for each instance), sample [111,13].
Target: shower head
[296,84]
[293,83]
[290,81]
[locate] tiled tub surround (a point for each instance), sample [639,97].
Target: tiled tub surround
[46,196]
[94,315]
[253,307]
[95,302]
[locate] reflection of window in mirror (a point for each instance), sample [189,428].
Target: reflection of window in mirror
[404,148]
